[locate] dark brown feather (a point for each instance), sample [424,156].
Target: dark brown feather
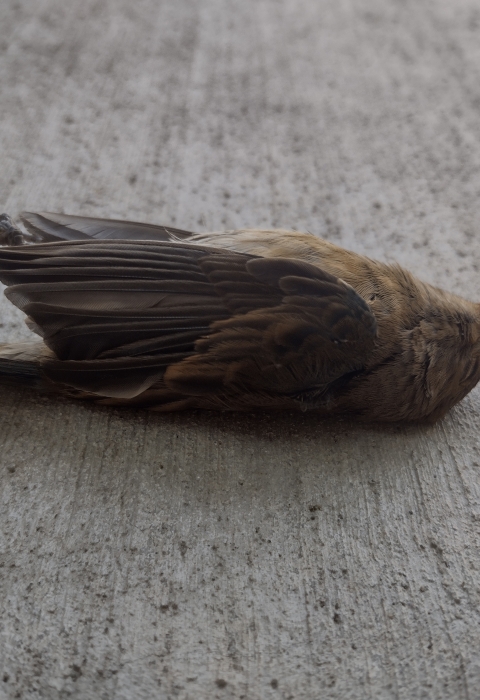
[47,226]
[125,317]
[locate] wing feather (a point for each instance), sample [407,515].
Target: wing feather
[180,323]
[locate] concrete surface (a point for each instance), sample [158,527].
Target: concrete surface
[204,556]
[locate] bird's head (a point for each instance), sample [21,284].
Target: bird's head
[428,353]
[444,351]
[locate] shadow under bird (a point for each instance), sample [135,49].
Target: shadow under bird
[151,316]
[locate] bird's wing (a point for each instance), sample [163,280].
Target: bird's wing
[318,336]
[123,317]
[46,226]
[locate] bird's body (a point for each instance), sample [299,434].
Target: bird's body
[161,318]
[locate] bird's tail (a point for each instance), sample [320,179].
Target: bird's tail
[46,228]
[20,363]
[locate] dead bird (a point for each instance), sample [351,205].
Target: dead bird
[166,319]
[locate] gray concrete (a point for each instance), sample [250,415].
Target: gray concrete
[204,556]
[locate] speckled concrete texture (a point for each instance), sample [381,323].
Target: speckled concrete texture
[203,556]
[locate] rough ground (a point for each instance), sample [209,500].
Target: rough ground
[205,556]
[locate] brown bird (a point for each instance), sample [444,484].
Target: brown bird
[161,318]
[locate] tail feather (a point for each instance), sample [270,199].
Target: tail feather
[47,227]
[21,362]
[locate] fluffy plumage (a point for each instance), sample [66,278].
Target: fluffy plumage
[152,316]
